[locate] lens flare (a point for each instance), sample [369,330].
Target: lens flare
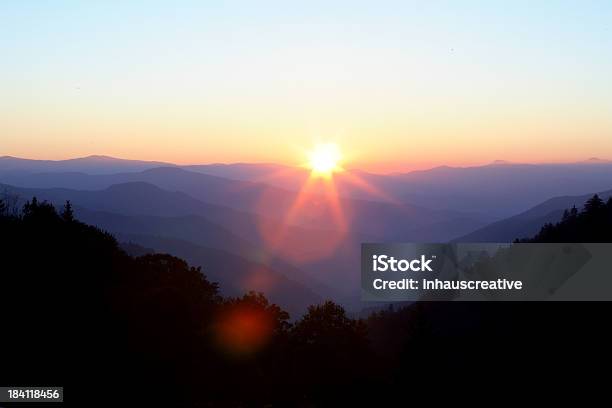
[243,330]
[315,223]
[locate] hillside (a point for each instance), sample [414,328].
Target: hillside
[591,224]
[154,323]
[234,274]
[245,234]
[528,223]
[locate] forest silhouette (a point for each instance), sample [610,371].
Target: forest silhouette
[591,224]
[80,312]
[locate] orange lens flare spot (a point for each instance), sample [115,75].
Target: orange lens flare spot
[243,330]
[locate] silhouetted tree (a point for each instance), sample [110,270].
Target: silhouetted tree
[594,205]
[10,202]
[574,212]
[331,351]
[592,224]
[566,215]
[35,210]
[67,212]
[30,206]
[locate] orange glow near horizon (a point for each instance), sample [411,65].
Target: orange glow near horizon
[392,156]
[402,90]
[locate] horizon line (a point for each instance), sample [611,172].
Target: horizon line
[498,162]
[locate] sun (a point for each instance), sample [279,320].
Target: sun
[325,159]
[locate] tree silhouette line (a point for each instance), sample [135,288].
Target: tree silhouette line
[591,224]
[78,311]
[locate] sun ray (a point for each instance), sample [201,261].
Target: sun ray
[317,206]
[362,184]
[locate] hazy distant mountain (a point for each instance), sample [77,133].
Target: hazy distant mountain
[596,160]
[349,183]
[90,164]
[466,197]
[261,172]
[486,192]
[528,223]
[373,219]
[498,189]
[144,199]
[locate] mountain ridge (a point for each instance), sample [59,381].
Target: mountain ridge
[529,222]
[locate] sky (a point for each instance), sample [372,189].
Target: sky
[397,85]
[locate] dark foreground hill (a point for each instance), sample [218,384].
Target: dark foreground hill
[83,313]
[80,313]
